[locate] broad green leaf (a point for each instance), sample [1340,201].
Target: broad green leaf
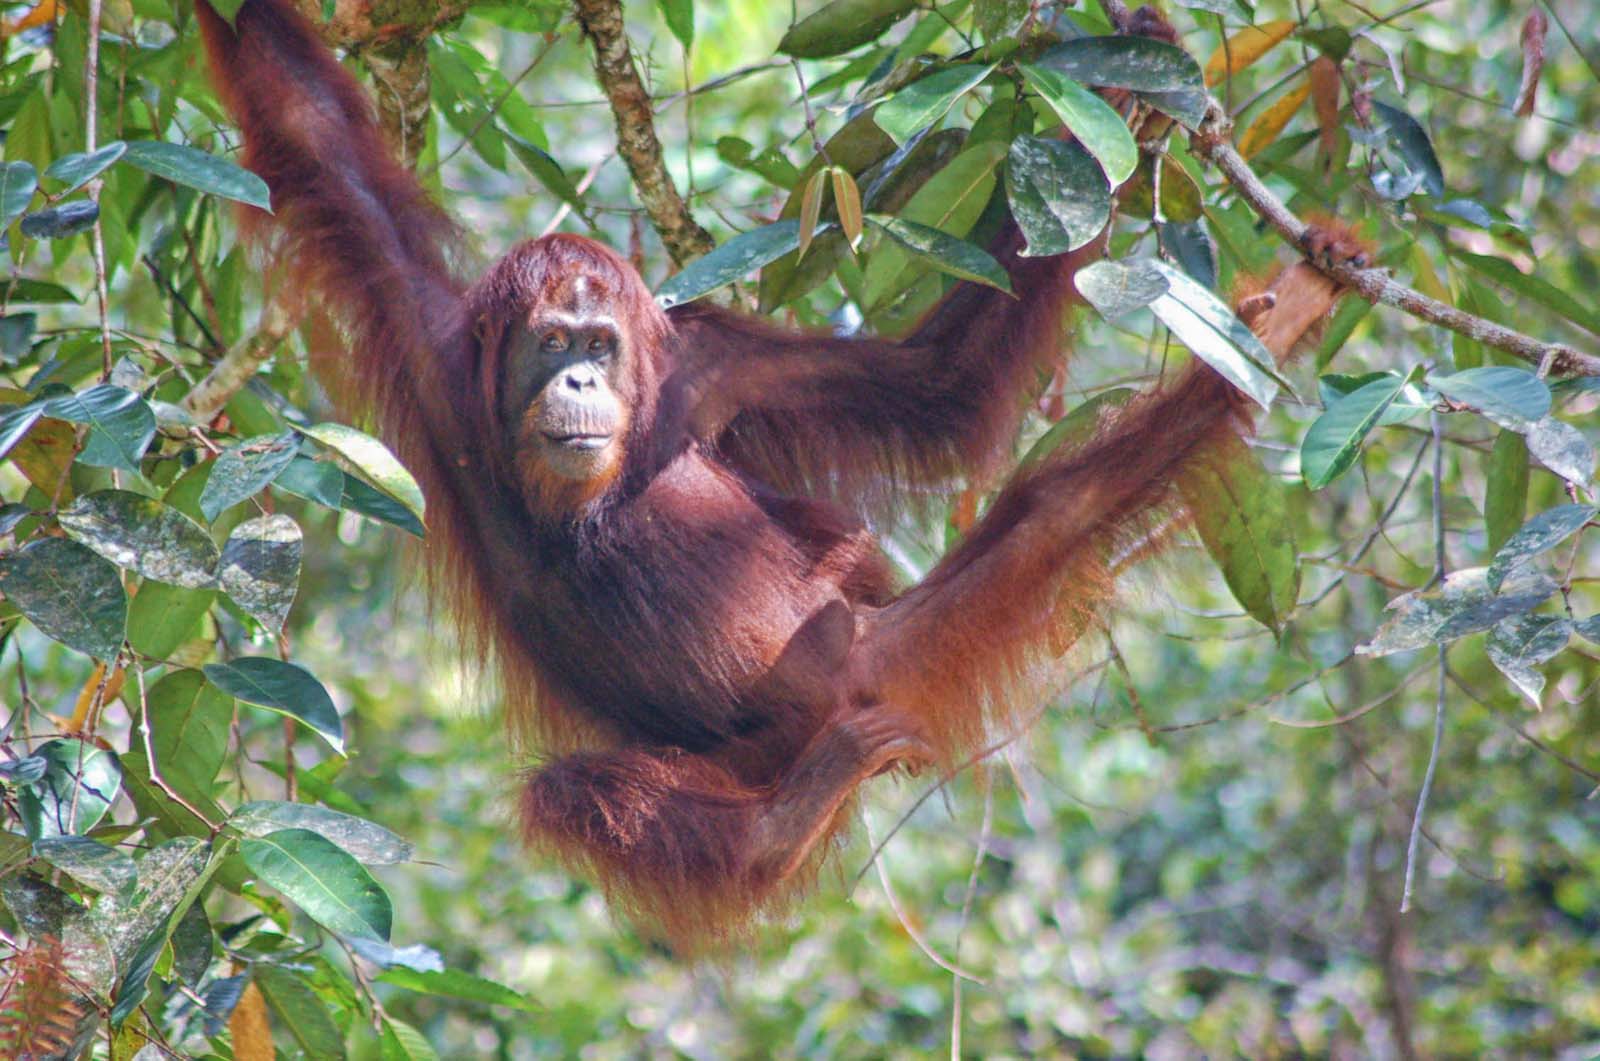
[18,289]
[144,535]
[1412,141]
[314,480]
[77,169]
[1118,288]
[1563,449]
[842,25]
[199,170]
[1334,440]
[1520,644]
[244,468]
[169,817]
[363,840]
[1534,287]
[1241,513]
[103,868]
[18,181]
[548,172]
[80,783]
[1098,127]
[1513,398]
[60,221]
[121,425]
[134,982]
[925,101]
[15,425]
[679,17]
[1544,531]
[1411,401]
[1505,502]
[1349,315]
[328,884]
[300,1011]
[1464,604]
[16,336]
[1205,324]
[946,253]
[402,1042]
[168,875]
[1140,63]
[734,259]
[281,687]
[189,726]
[453,983]
[162,618]
[1589,629]
[372,460]
[261,568]
[1078,426]
[360,498]
[192,945]
[69,593]
[1189,244]
[1058,195]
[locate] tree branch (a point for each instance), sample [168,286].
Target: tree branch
[683,237]
[236,367]
[1212,142]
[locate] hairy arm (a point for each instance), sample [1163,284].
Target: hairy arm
[854,416]
[357,229]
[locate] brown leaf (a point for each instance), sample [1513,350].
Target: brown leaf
[1325,86]
[1270,122]
[252,1036]
[1534,28]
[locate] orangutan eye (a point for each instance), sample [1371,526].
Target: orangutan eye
[597,345]
[553,342]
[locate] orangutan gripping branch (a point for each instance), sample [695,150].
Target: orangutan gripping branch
[712,655]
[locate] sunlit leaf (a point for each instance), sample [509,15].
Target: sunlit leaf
[453,983]
[80,783]
[1140,63]
[740,256]
[1563,449]
[328,884]
[1517,646]
[926,100]
[1511,397]
[1544,531]
[1117,288]
[1098,127]
[363,840]
[260,568]
[198,170]
[371,459]
[244,468]
[103,868]
[946,253]
[1463,605]
[1058,194]
[144,535]
[1334,440]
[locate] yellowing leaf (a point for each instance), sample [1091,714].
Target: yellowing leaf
[847,200]
[811,209]
[252,1036]
[1245,47]
[1270,122]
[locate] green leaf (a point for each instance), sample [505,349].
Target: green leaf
[18,182]
[21,289]
[261,568]
[1544,531]
[1411,401]
[190,720]
[245,468]
[192,945]
[198,170]
[1118,288]
[1139,63]
[161,618]
[281,687]
[946,253]
[105,869]
[1098,127]
[548,172]
[228,9]
[1520,644]
[135,980]
[300,1012]
[1241,513]
[679,17]
[363,840]
[360,498]
[371,460]
[60,221]
[402,1042]
[121,425]
[69,593]
[1412,141]
[16,424]
[453,983]
[1205,324]
[1563,449]
[736,258]
[169,875]
[1536,288]
[1463,605]
[80,783]
[1512,398]
[329,885]
[314,480]
[842,25]
[923,102]
[77,169]
[144,535]
[1505,502]
[1058,195]
[1334,440]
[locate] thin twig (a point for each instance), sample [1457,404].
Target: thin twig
[91,107]
[911,929]
[1212,142]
